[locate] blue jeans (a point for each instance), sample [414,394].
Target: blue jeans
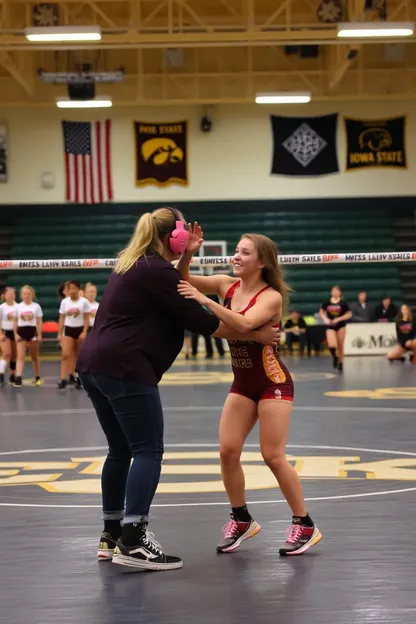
[131,416]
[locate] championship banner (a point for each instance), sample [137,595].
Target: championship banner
[375,143]
[161,153]
[304,146]
[3,153]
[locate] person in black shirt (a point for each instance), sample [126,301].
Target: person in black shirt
[295,330]
[335,312]
[406,335]
[386,312]
[137,335]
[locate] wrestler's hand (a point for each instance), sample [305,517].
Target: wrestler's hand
[189,292]
[196,238]
[268,335]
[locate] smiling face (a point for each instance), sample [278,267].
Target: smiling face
[10,296]
[73,290]
[90,293]
[245,260]
[27,295]
[336,292]
[406,312]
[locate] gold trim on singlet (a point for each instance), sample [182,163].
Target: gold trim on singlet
[272,366]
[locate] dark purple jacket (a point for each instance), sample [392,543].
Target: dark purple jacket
[139,328]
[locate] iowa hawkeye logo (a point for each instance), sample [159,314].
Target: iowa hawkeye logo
[196,472]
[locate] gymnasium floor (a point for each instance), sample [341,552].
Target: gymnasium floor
[353,441]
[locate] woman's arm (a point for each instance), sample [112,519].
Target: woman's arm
[268,334]
[323,315]
[39,324]
[86,324]
[61,326]
[257,316]
[344,317]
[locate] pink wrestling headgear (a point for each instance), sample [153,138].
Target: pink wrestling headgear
[179,237]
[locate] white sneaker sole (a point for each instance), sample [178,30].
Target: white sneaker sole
[131,562]
[252,532]
[316,537]
[105,554]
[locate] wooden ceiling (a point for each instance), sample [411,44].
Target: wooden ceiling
[209,51]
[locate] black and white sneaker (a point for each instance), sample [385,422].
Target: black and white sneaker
[138,548]
[62,384]
[17,382]
[106,547]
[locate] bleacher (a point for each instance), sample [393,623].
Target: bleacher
[295,232]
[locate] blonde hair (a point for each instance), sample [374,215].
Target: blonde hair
[148,237]
[32,290]
[88,285]
[272,272]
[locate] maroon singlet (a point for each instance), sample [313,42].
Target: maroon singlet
[259,373]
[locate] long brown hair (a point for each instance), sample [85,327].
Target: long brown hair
[399,316]
[148,236]
[272,272]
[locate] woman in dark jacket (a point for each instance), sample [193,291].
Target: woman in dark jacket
[137,335]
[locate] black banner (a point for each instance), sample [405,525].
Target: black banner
[375,143]
[161,153]
[3,153]
[304,146]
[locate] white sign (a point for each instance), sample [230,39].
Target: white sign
[369,338]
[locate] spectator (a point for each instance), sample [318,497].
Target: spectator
[361,310]
[386,312]
[295,330]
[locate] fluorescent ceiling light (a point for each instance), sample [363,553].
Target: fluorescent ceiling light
[297,97]
[98,102]
[375,29]
[63,33]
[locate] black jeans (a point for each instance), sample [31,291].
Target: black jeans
[131,416]
[291,338]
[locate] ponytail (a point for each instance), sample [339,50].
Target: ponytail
[144,239]
[148,236]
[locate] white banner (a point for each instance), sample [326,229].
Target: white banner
[369,338]
[109,263]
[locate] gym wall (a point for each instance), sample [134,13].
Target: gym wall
[233,161]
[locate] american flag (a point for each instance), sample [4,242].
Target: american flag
[87,161]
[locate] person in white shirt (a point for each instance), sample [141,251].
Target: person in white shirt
[8,314]
[90,292]
[28,333]
[74,314]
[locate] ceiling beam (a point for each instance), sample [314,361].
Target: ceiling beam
[25,81]
[341,57]
[94,6]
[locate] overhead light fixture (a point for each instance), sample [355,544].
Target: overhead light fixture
[297,97]
[375,29]
[98,102]
[63,33]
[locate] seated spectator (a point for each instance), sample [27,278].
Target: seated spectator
[406,336]
[386,312]
[295,331]
[361,309]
